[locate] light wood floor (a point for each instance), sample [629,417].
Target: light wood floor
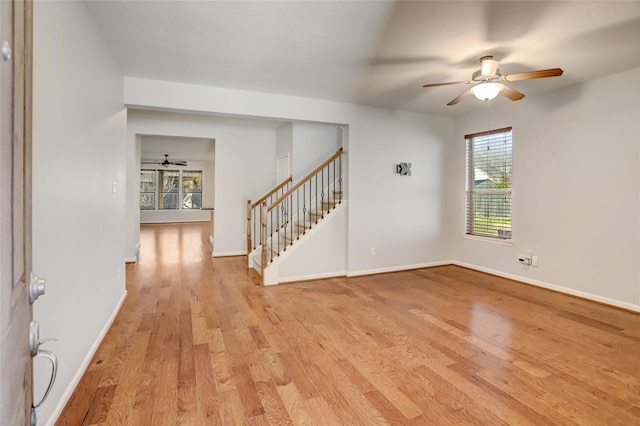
[198,343]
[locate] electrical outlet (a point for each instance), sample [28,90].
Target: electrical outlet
[525,257]
[534,260]
[372,251]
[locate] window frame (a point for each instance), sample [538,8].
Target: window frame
[183,192]
[158,192]
[154,192]
[503,236]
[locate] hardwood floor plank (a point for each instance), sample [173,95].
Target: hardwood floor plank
[260,420]
[198,343]
[79,404]
[99,405]
[187,407]
[208,401]
[298,375]
[275,411]
[295,406]
[132,361]
[186,367]
[231,410]
[222,372]
[248,393]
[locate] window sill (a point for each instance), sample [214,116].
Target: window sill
[498,241]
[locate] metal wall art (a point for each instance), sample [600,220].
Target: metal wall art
[404,169]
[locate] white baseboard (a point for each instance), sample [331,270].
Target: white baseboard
[136,254]
[85,363]
[554,287]
[228,253]
[398,268]
[151,222]
[312,277]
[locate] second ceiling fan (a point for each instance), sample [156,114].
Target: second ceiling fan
[166,162]
[488,81]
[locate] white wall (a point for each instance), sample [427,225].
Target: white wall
[576,189]
[244,168]
[79,131]
[284,139]
[407,226]
[312,144]
[323,252]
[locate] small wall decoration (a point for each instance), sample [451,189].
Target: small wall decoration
[404,169]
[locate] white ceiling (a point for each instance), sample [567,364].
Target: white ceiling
[375,53]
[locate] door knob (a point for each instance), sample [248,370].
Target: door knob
[36,352]
[34,338]
[36,287]
[54,371]
[6,50]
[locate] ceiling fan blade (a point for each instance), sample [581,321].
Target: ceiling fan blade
[553,72]
[512,94]
[179,163]
[457,99]
[150,162]
[446,84]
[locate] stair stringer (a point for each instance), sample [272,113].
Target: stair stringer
[319,253]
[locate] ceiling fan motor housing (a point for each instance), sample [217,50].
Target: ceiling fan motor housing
[478,77]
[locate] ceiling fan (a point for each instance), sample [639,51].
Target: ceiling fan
[488,81]
[166,162]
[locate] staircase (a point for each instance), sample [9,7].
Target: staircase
[277,222]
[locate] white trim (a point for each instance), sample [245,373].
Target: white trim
[492,240]
[228,253]
[558,288]
[85,363]
[336,274]
[174,221]
[398,268]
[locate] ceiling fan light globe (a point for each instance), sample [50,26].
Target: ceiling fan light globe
[487,91]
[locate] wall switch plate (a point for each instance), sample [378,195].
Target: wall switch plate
[525,257]
[372,251]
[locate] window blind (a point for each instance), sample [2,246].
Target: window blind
[489,158]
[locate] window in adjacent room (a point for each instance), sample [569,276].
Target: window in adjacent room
[489,157]
[191,190]
[170,189]
[147,189]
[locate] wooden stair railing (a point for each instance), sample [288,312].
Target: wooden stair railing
[254,212]
[298,209]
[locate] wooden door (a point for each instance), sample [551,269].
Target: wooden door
[15,212]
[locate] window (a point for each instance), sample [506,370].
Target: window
[191,190]
[147,189]
[173,189]
[169,187]
[489,183]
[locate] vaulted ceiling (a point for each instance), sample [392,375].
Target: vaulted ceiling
[376,53]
